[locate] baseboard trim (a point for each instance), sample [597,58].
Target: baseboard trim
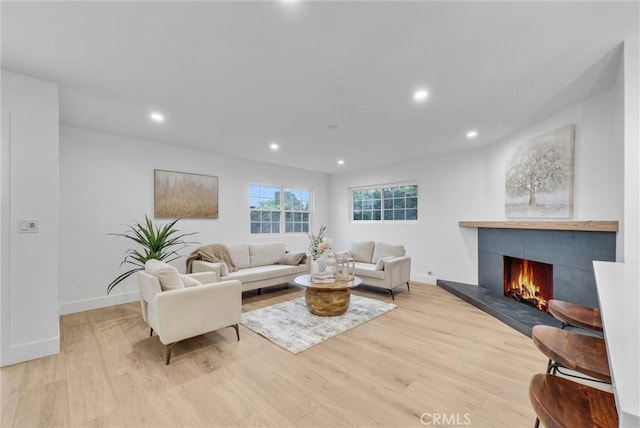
[98,302]
[30,351]
[425,279]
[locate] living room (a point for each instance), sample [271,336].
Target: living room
[82,183]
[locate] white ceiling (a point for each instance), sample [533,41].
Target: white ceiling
[233,76]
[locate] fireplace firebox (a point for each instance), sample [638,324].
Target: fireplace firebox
[528,281]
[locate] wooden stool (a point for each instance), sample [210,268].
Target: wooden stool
[579,352]
[576,315]
[559,402]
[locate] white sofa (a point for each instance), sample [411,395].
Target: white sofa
[259,265]
[381,265]
[178,306]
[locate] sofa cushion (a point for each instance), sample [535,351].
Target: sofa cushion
[291,259]
[362,251]
[262,273]
[265,253]
[239,255]
[368,270]
[383,250]
[380,262]
[189,281]
[168,275]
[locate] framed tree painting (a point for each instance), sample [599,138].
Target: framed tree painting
[184,195]
[539,176]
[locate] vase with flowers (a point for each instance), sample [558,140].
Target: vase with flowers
[318,245]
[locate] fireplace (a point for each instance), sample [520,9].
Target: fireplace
[528,281]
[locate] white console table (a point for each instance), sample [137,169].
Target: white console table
[619,296]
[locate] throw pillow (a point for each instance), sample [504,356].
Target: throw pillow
[189,281]
[224,269]
[383,250]
[292,259]
[168,275]
[380,263]
[362,251]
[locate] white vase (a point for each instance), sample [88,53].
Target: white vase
[315,267]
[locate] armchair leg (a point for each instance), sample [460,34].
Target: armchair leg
[151,332]
[235,327]
[408,288]
[392,296]
[167,353]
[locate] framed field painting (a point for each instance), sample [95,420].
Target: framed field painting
[539,176]
[184,195]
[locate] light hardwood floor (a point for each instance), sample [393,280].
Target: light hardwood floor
[434,356]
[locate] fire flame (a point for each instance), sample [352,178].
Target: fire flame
[525,288]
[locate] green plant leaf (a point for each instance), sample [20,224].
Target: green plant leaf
[157,242]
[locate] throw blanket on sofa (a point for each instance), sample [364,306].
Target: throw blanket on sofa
[214,253]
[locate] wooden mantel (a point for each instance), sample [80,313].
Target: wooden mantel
[578,225]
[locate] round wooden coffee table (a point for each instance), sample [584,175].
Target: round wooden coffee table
[327,299]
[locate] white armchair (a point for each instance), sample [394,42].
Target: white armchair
[187,312]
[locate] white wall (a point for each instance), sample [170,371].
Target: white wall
[470,186]
[632,150]
[106,181]
[29,169]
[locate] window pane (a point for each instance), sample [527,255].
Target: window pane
[366,215]
[388,214]
[411,202]
[412,214]
[398,214]
[274,209]
[357,215]
[398,203]
[376,215]
[388,193]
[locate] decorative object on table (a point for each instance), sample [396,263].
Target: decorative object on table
[328,273]
[158,242]
[318,244]
[323,277]
[291,325]
[345,268]
[539,177]
[180,194]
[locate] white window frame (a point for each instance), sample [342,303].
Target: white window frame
[381,187]
[283,212]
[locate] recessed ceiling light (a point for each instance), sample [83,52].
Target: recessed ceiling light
[157,117]
[340,162]
[274,146]
[420,95]
[472,134]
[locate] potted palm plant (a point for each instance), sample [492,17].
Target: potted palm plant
[158,242]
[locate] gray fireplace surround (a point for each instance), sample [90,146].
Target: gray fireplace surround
[570,252]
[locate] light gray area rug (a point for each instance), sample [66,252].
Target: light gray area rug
[291,325]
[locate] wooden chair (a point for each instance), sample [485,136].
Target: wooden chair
[578,352]
[561,403]
[576,315]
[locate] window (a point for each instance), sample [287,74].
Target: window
[277,209]
[385,203]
